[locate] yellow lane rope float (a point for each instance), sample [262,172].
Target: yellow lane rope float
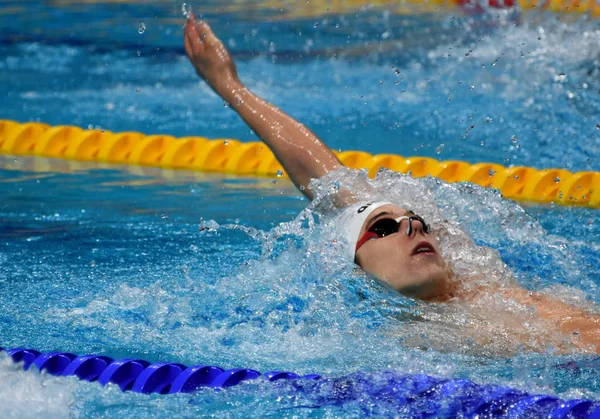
[254,158]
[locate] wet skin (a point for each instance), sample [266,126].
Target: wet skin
[411,264]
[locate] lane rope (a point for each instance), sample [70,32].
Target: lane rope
[415,393]
[254,158]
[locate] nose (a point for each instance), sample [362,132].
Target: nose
[414,226]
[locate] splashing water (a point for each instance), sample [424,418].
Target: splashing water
[243,294]
[186,10]
[270,293]
[302,303]
[29,394]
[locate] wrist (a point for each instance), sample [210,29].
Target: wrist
[229,90]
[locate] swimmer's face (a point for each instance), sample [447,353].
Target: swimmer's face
[411,264]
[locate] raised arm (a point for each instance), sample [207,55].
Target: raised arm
[298,149]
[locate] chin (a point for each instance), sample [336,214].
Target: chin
[432,287]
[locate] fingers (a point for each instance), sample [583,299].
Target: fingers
[187,40]
[199,39]
[200,30]
[192,40]
[206,33]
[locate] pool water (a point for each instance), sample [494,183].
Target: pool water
[235,271]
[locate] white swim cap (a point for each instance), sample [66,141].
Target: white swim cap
[352,220]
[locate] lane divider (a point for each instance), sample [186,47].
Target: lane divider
[138,375]
[590,7]
[416,394]
[254,158]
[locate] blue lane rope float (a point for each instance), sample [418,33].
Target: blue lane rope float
[421,395]
[138,375]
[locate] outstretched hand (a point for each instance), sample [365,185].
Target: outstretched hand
[208,55]
[299,150]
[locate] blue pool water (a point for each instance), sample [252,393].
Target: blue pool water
[222,270]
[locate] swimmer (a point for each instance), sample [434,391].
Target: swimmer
[389,242]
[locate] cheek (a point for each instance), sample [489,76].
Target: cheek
[383,258]
[393,247]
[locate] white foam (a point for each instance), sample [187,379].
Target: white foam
[29,394]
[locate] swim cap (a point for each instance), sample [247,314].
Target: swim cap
[352,220]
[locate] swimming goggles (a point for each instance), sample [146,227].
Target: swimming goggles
[387,226]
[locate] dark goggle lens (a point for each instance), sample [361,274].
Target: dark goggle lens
[385,227]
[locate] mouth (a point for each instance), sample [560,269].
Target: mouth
[424,248]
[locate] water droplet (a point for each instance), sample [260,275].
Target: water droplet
[279,173]
[472,87]
[397,72]
[139,53]
[334,187]
[597,126]
[439,149]
[488,119]
[138,90]
[225,104]
[560,78]
[142,28]
[302,187]
[514,139]
[491,172]
[164,216]
[186,9]
[226,142]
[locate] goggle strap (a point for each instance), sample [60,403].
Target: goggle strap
[366,237]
